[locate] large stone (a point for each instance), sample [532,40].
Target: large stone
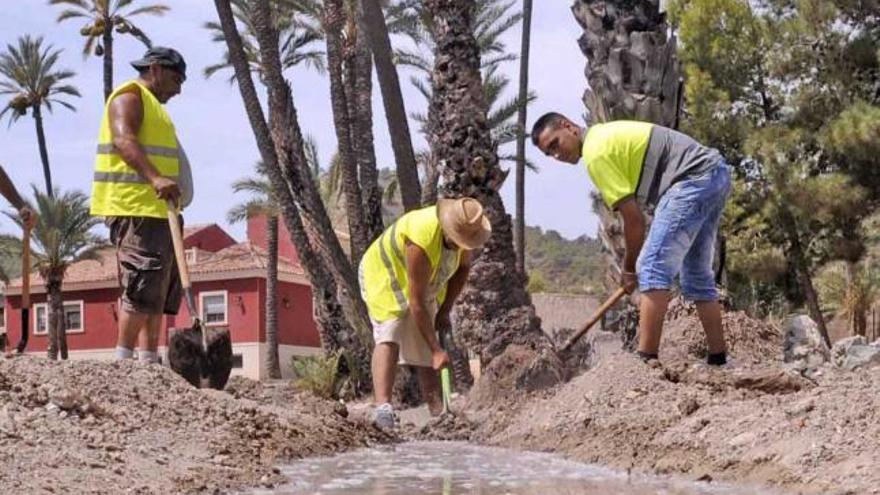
[855,352]
[803,345]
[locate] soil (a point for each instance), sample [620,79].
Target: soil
[126,427]
[755,421]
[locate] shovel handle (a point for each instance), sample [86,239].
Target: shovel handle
[611,301]
[180,256]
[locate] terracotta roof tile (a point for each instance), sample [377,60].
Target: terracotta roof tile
[242,256]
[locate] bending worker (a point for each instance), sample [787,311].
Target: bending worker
[638,166]
[410,278]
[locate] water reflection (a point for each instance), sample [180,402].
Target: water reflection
[453,468]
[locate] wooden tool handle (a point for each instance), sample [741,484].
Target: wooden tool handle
[26,268]
[611,301]
[177,239]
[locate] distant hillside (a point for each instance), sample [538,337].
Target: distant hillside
[556,264]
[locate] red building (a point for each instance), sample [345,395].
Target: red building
[229,284]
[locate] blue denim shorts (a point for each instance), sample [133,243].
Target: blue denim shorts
[681,241]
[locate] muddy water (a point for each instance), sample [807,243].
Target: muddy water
[453,468]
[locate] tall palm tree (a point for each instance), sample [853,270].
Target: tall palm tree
[492,19]
[263,202]
[374,23]
[103,16]
[520,225]
[341,315]
[28,73]
[496,309]
[61,237]
[298,34]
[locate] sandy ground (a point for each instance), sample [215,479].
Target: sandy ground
[756,422]
[124,427]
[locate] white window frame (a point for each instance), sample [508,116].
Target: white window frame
[202,314]
[45,307]
[191,255]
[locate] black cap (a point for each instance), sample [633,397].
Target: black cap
[169,57]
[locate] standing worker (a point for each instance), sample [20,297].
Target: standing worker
[410,277]
[140,165]
[639,166]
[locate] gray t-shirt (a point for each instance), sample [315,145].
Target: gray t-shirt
[670,158]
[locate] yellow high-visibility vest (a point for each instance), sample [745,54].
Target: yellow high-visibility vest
[117,188]
[383,277]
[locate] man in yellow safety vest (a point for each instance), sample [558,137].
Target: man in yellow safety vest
[139,167]
[410,277]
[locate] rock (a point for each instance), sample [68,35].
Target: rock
[803,345]
[688,406]
[64,398]
[855,352]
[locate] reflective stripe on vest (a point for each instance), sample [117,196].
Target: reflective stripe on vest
[117,188]
[383,274]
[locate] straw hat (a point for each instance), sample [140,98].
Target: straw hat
[464,222]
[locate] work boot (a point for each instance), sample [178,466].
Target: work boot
[384,417]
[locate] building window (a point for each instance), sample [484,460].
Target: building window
[237,361]
[73,318]
[191,255]
[213,307]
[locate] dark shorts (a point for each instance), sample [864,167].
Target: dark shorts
[146,266]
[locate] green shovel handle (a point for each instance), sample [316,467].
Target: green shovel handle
[446,387]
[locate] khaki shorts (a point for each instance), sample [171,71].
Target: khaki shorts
[414,350]
[145,265]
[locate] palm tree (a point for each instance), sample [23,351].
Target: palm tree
[520,225]
[102,17]
[61,237]
[263,203]
[28,72]
[497,307]
[374,23]
[341,315]
[298,34]
[492,19]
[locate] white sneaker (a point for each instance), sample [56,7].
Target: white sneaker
[384,417]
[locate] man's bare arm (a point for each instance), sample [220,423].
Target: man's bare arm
[633,232]
[126,117]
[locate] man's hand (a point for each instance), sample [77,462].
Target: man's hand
[28,217]
[629,281]
[166,189]
[439,359]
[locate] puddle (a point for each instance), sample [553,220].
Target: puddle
[456,468]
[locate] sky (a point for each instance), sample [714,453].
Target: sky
[212,124]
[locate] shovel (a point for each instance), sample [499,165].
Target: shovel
[25,290]
[445,377]
[204,362]
[611,301]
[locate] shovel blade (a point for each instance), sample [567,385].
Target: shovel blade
[201,367]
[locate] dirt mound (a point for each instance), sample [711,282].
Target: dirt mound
[749,341]
[751,424]
[96,426]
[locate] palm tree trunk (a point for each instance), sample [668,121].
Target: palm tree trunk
[361,113]
[392,98]
[55,320]
[342,325]
[520,226]
[495,310]
[333,22]
[108,58]
[44,152]
[273,365]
